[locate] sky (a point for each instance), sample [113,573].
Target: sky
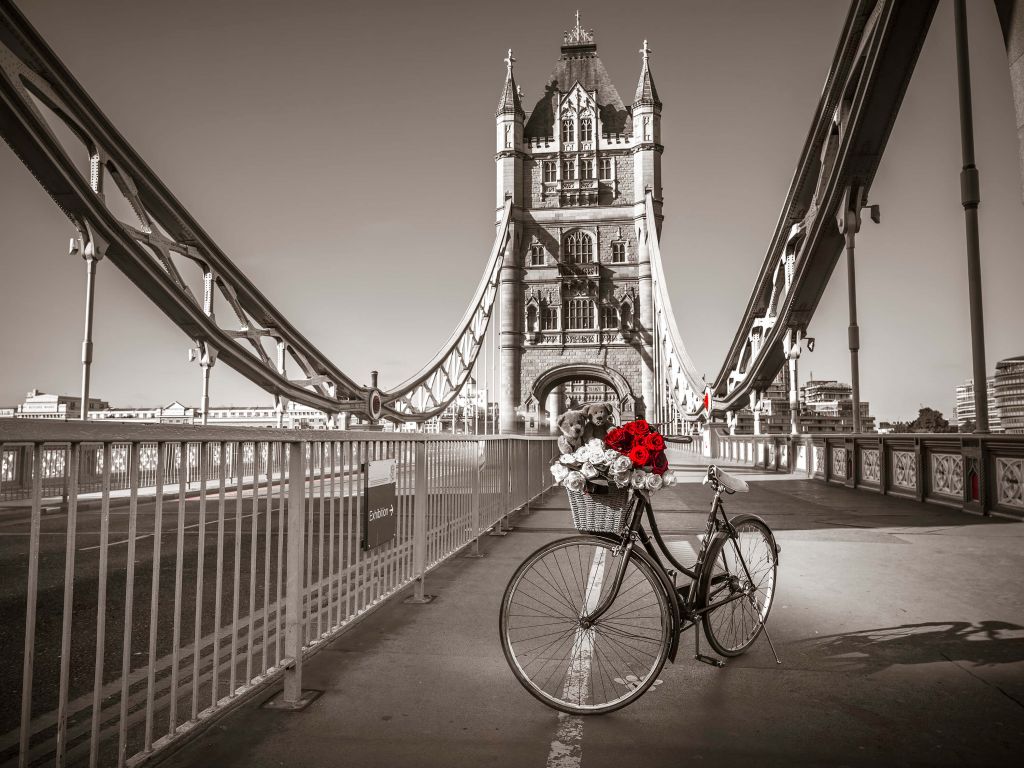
[342,154]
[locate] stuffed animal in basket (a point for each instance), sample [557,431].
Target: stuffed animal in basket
[571,424]
[599,417]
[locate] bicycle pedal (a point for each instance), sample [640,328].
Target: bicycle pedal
[710,660]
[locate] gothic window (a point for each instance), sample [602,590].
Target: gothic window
[618,253]
[606,168]
[568,131]
[626,314]
[581,314]
[586,129]
[536,255]
[550,171]
[586,169]
[568,170]
[579,248]
[609,317]
[550,318]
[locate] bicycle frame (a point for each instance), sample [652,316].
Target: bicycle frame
[685,598]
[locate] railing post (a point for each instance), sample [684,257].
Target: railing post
[293,597]
[475,489]
[419,526]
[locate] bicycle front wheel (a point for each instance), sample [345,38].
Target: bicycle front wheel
[572,667]
[741,580]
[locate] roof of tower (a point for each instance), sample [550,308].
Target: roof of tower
[580,63]
[510,103]
[646,93]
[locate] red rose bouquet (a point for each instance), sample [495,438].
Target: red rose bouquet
[630,455]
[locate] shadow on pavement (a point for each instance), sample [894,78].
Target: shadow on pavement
[985,643]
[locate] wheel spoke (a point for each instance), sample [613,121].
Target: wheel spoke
[571,667]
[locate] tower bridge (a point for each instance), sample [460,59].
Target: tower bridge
[262,534]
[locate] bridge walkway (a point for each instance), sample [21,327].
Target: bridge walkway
[900,627]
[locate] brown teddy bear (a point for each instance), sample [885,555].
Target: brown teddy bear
[599,417]
[571,424]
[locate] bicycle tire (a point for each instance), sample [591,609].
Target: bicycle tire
[733,627]
[577,670]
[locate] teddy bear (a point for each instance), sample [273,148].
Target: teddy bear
[571,424]
[599,417]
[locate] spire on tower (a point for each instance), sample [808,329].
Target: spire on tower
[646,93]
[578,36]
[510,101]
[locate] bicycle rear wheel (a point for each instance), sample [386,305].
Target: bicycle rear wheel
[732,627]
[571,667]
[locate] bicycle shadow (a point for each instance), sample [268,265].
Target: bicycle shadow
[984,643]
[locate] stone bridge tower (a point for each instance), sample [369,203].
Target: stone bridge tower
[576,291]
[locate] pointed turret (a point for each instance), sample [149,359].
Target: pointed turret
[510,103]
[509,139]
[646,93]
[647,134]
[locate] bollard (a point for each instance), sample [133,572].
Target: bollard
[419,527]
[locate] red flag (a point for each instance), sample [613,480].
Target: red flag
[707,400]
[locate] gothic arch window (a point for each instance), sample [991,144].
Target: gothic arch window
[581,314]
[551,318]
[568,131]
[579,248]
[618,253]
[586,129]
[536,255]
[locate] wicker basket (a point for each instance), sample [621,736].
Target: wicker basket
[600,511]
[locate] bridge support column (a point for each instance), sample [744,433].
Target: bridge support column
[645,285]
[556,400]
[848,219]
[91,260]
[755,407]
[511,335]
[792,342]
[970,197]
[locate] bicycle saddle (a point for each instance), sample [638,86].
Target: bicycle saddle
[731,482]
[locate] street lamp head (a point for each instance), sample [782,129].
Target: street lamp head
[810,343]
[876,213]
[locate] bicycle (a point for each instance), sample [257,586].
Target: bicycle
[587,622]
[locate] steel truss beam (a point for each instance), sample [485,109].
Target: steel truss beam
[866,83]
[33,81]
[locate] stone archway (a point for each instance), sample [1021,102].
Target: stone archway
[549,380]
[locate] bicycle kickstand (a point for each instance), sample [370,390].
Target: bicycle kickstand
[700,656]
[770,643]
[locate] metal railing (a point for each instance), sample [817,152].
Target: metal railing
[139,616]
[980,473]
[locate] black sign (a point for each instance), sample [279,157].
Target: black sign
[380,503]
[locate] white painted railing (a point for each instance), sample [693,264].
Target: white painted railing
[144,614]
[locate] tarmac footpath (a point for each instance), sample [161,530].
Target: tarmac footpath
[900,626]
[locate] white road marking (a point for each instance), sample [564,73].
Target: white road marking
[567,748]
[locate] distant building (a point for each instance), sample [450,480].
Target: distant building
[1009,393]
[825,407]
[42,405]
[965,411]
